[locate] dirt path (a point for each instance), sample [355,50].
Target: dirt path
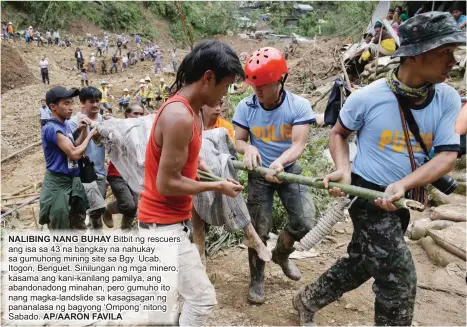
[230,275]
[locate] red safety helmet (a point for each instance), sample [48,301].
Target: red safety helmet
[266,65]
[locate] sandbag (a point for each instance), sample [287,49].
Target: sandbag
[420,227]
[451,239]
[450,277]
[437,254]
[454,212]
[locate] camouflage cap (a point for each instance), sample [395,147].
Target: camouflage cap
[425,32]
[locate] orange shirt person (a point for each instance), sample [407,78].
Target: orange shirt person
[212,119]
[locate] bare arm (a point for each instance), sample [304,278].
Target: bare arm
[339,148]
[241,139]
[437,167]
[461,122]
[170,181]
[299,140]
[251,156]
[82,133]
[73,152]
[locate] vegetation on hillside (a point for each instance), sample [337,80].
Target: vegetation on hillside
[203,19]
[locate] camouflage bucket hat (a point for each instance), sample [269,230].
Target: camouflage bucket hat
[425,32]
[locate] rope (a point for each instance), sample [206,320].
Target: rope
[333,214]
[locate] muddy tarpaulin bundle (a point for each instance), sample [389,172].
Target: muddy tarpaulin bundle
[126,139]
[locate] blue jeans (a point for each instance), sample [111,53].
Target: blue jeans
[93,67]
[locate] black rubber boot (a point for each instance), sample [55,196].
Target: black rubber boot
[306,317]
[96,223]
[256,290]
[78,223]
[127,222]
[280,255]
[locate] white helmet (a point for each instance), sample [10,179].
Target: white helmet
[147,78]
[141,81]
[125,90]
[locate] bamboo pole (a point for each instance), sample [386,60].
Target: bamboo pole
[346,76]
[377,52]
[26,188]
[20,151]
[346,188]
[19,196]
[19,207]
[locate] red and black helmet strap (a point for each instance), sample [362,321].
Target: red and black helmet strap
[282,87]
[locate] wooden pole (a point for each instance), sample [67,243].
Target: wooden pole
[20,151]
[347,80]
[377,51]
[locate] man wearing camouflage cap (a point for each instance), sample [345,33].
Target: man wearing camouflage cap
[377,248]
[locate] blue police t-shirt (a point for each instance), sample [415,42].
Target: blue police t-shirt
[382,156]
[271,130]
[94,152]
[462,19]
[55,159]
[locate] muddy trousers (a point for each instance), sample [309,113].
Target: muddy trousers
[294,197]
[127,200]
[45,75]
[193,283]
[377,250]
[101,183]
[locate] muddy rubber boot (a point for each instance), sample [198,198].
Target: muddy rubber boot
[256,290]
[280,255]
[127,222]
[96,223]
[110,210]
[306,317]
[78,223]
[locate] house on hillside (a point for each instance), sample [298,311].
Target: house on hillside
[301,10]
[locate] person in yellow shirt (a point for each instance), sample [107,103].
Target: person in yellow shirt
[163,92]
[104,104]
[149,91]
[212,119]
[140,92]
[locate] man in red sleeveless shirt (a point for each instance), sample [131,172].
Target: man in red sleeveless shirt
[172,160]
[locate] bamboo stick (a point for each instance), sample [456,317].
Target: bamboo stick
[19,196]
[19,207]
[377,52]
[26,188]
[22,150]
[346,188]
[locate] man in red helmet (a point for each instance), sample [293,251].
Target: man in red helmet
[278,122]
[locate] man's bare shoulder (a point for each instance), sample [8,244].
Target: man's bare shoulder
[176,118]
